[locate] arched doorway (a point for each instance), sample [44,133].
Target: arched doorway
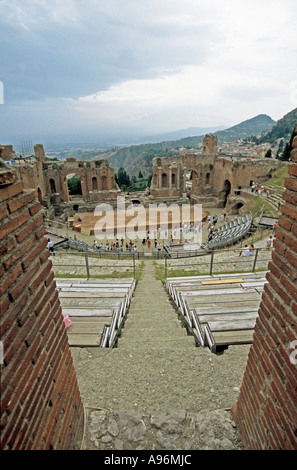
[236,207]
[225,193]
[164,180]
[52,186]
[74,184]
[94,184]
[193,181]
[103,183]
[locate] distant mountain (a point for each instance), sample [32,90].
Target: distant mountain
[180,134]
[134,158]
[251,127]
[282,129]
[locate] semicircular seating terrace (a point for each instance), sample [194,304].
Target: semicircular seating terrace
[230,233]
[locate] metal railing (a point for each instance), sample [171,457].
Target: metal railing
[211,260]
[87,268]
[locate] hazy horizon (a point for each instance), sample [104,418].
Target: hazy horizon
[74,70]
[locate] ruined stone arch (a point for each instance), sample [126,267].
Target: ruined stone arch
[195,180]
[164,180]
[207,178]
[236,207]
[52,185]
[173,179]
[79,190]
[103,182]
[224,193]
[94,183]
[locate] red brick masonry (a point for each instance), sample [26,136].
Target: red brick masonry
[41,407]
[266,411]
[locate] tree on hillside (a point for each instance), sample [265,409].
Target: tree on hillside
[122,179]
[286,153]
[285,156]
[74,185]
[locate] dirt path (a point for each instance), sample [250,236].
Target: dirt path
[157,390]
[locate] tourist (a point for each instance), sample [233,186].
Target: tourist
[50,246]
[95,245]
[245,251]
[251,250]
[269,243]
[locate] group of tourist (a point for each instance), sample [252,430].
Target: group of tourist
[250,250]
[131,246]
[259,189]
[212,224]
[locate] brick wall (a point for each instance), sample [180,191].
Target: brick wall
[41,406]
[266,411]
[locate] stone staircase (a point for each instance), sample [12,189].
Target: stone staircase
[157,389]
[274,198]
[153,323]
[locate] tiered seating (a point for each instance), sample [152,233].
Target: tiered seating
[220,310]
[96,309]
[231,233]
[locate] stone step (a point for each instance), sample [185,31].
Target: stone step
[151,323]
[154,313]
[158,343]
[146,333]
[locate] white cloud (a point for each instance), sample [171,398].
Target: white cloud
[157,63]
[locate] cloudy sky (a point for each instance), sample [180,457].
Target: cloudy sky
[81,68]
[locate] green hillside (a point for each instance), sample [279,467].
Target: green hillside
[143,154]
[250,127]
[282,129]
